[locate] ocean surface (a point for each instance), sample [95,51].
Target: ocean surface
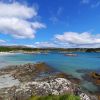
[67,64]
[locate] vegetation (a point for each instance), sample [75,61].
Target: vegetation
[23,48]
[52,97]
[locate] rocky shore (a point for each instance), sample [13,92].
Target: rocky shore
[19,82]
[92,76]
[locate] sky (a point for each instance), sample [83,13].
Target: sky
[50,23]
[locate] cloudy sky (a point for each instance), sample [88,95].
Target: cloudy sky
[50,23]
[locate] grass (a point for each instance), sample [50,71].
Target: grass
[53,97]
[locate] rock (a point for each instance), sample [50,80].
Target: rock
[95,75]
[27,72]
[53,87]
[42,67]
[95,78]
[1,98]
[83,71]
[62,75]
[54,84]
[75,80]
[98,97]
[71,54]
[55,92]
[83,96]
[92,77]
[69,77]
[86,77]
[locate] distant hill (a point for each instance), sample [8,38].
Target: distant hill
[25,48]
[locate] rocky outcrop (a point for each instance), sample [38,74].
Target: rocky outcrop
[33,82]
[27,72]
[96,77]
[71,54]
[52,87]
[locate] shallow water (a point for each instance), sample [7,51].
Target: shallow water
[59,61]
[8,81]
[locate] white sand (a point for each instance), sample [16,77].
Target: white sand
[7,53]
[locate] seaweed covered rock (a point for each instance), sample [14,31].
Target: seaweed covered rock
[96,77]
[42,67]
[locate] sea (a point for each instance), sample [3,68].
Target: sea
[67,64]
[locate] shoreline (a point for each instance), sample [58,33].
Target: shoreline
[6,53]
[36,73]
[22,52]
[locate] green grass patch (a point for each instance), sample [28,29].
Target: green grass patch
[53,97]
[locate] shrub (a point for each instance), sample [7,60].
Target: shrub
[52,97]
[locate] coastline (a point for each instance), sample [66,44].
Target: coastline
[23,52]
[6,53]
[39,75]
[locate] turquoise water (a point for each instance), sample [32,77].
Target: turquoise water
[59,61]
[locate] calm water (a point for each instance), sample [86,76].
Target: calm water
[59,61]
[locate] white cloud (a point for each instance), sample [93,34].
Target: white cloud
[14,20]
[19,28]
[44,44]
[29,45]
[89,46]
[2,41]
[79,39]
[17,10]
[71,40]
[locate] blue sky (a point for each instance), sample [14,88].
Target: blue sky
[50,23]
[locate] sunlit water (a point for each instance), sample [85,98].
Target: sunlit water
[59,61]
